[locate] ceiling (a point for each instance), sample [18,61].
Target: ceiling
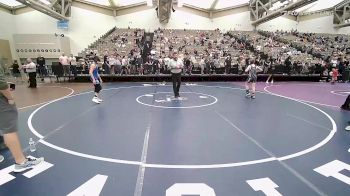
[203,4]
[319,5]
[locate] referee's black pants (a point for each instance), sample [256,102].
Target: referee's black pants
[346,105]
[32,79]
[227,69]
[176,83]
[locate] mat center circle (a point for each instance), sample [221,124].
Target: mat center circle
[186,100]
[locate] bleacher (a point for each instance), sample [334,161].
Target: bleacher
[214,46]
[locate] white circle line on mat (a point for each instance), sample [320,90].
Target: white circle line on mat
[177,107]
[167,166]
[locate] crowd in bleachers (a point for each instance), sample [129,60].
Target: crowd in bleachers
[131,52]
[206,52]
[116,51]
[325,49]
[126,51]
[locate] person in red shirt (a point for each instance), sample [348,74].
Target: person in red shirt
[334,75]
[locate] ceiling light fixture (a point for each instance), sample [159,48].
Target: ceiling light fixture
[150,3]
[180,3]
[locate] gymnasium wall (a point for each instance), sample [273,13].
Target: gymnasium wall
[87,24]
[84,26]
[237,19]
[5,53]
[6,24]
[7,29]
[183,19]
[148,20]
[320,24]
[281,23]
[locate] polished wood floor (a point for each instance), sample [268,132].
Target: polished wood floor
[26,97]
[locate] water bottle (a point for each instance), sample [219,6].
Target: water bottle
[31,145]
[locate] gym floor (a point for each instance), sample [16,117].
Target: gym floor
[290,140]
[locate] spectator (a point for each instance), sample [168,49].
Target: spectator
[73,65]
[63,59]
[8,128]
[41,66]
[15,70]
[228,62]
[31,70]
[202,65]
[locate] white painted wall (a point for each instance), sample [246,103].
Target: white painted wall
[84,26]
[239,21]
[280,23]
[7,29]
[321,25]
[184,20]
[6,25]
[179,20]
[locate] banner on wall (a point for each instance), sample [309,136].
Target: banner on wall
[62,24]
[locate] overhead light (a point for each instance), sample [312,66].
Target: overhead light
[180,3]
[150,3]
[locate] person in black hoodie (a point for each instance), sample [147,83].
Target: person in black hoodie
[15,70]
[228,62]
[271,64]
[106,65]
[155,66]
[288,65]
[188,65]
[40,61]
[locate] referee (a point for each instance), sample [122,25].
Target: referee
[31,70]
[176,66]
[346,105]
